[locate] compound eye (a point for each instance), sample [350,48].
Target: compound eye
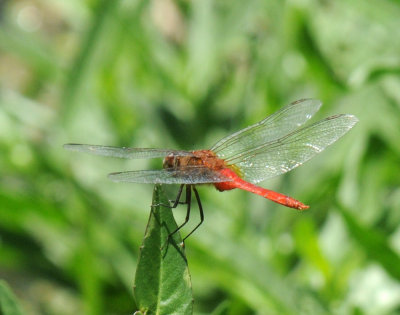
[169,161]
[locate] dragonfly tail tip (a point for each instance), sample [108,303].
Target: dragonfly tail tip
[302,207]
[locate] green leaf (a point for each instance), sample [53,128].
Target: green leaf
[162,282]
[8,302]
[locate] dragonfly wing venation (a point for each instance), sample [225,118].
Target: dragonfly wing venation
[270,129]
[126,153]
[294,149]
[186,175]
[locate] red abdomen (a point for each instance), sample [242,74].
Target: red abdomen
[237,182]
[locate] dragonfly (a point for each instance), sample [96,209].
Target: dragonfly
[271,147]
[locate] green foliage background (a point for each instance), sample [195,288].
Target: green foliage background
[183,74]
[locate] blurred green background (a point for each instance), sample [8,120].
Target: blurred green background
[183,74]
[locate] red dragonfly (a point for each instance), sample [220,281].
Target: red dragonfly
[266,149]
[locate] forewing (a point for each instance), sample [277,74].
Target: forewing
[271,128]
[186,175]
[284,154]
[126,153]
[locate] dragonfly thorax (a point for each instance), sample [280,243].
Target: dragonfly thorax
[205,158]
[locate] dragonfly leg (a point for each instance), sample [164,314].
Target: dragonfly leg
[200,211]
[188,201]
[176,201]
[178,197]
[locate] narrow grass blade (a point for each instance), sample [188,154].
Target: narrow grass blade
[81,64]
[374,244]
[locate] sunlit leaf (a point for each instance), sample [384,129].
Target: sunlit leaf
[8,302]
[162,282]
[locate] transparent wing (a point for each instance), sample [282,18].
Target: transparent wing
[271,128]
[186,175]
[126,153]
[284,154]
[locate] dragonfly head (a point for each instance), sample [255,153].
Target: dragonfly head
[169,161]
